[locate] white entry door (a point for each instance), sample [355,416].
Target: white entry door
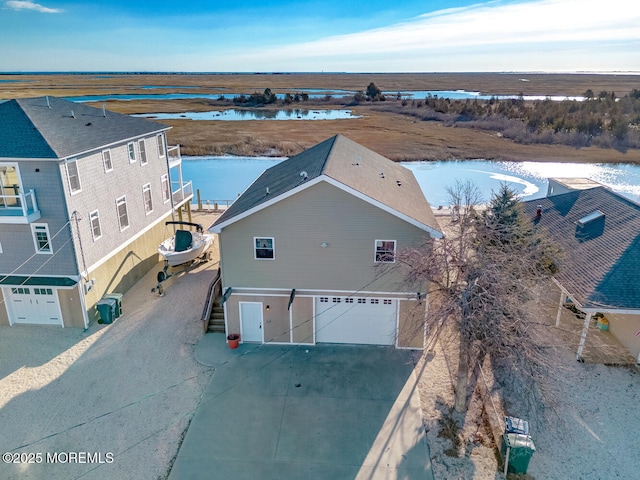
[37,305]
[251,322]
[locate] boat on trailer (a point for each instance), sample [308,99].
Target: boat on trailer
[185,245]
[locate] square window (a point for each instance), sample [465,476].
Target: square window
[131,147]
[348,300]
[374,301]
[73,176]
[264,248]
[123,215]
[324,299]
[94,221]
[362,300]
[385,251]
[337,299]
[40,232]
[106,160]
[387,301]
[143,152]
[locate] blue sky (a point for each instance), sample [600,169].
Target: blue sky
[312,36]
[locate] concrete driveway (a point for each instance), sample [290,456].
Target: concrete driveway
[317,412]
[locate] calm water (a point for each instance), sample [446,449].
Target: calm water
[224,178]
[240,115]
[313,93]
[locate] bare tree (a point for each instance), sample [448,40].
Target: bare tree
[483,277]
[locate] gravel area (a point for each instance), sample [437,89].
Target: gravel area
[124,393]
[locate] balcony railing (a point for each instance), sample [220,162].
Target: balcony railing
[174,155]
[181,193]
[19,208]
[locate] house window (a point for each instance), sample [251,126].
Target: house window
[160,140]
[385,251]
[143,152]
[74,177]
[41,238]
[20,291]
[132,152]
[106,160]
[146,198]
[123,216]
[166,193]
[43,291]
[264,249]
[94,221]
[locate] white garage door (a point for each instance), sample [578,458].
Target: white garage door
[368,321]
[37,305]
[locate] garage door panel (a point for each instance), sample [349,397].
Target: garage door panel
[368,321]
[33,305]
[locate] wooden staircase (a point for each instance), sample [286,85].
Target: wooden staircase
[216,319]
[213,313]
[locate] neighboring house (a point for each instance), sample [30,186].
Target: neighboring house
[84,194]
[308,251]
[599,231]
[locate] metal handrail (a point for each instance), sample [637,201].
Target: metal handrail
[212,293]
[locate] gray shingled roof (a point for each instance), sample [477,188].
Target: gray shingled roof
[31,128]
[350,164]
[601,263]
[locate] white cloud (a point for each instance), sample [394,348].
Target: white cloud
[29,5]
[546,29]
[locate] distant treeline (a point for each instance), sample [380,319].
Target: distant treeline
[602,120]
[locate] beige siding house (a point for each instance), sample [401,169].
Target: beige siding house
[308,251]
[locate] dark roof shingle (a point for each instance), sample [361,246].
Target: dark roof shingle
[601,260]
[50,127]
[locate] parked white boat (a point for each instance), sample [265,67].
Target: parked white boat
[186,245]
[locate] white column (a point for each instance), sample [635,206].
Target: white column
[583,337]
[562,295]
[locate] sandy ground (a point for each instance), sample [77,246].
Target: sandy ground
[128,389]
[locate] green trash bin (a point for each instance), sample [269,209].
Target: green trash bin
[118,298]
[107,310]
[517,450]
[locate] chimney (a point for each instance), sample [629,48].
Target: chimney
[539,211]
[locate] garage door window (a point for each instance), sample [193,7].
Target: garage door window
[385,251]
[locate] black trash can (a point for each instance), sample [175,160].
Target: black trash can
[107,310]
[118,298]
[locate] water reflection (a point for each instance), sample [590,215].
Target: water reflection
[223,178]
[239,115]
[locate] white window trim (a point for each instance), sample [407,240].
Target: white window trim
[35,238]
[147,188]
[144,159]
[165,190]
[66,166]
[273,248]
[97,216]
[104,164]
[161,147]
[122,199]
[375,250]
[131,147]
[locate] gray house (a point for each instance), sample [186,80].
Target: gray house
[308,251]
[84,194]
[599,231]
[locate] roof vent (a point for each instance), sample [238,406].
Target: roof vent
[268,191]
[592,217]
[104,112]
[357,162]
[304,175]
[399,183]
[381,174]
[48,103]
[73,114]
